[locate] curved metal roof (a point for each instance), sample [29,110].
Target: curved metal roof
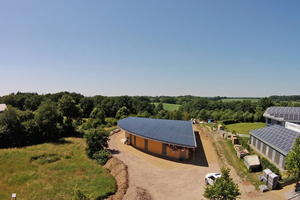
[176,132]
[283,113]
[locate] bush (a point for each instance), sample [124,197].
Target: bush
[265,163]
[244,143]
[102,156]
[96,140]
[111,121]
[79,194]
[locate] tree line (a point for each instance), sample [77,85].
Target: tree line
[32,118]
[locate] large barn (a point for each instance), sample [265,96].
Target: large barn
[277,139]
[170,138]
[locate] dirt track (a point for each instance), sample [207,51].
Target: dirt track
[151,177]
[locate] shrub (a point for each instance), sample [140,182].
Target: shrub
[244,143]
[96,140]
[111,121]
[102,156]
[265,163]
[79,194]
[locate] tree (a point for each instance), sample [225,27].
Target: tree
[68,107]
[292,162]
[265,102]
[177,115]
[70,110]
[203,115]
[158,108]
[48,119]
[97,113]
[87,106]
[163,114]
[122,113]
[10,127]
[223,188]
[96,140]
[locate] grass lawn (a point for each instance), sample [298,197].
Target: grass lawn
[245,128]
[228,152]
[240,99]
[51,170]
[169,107]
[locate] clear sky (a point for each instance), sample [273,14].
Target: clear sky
[148,47]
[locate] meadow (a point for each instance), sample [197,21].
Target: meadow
[169,107]
[52,170]
[245,128]
[253,100]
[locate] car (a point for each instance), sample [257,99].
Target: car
[211,178]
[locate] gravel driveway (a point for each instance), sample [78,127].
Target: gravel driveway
[157,178]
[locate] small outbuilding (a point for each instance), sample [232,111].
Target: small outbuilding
[252,161]
[169,138]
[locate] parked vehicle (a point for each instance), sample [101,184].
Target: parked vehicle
[211,178]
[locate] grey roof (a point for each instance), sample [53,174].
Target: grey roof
[277,137]
[176,132]
[283,113]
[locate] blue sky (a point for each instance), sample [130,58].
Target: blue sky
[112,48]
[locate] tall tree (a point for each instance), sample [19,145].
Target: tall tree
[122,113]
[68,107]
[10,127]
[87,106]
[292,162]
[49,120]
[264,103]
[223,188]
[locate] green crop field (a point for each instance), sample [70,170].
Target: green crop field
[245,128]
[169,107]
[241,99]
[50,170]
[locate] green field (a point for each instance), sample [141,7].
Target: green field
[253,100]
[51,170]
[245,128]
[169,107]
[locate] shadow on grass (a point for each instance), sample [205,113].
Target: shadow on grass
[60,141]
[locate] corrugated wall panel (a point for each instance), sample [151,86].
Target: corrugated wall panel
[258,144]
[277,155]
[270,152]
[264,147]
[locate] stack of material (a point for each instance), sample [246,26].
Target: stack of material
[266,173]
[241,151]
[252,161]
[272,181]
[263,188]
[234,139]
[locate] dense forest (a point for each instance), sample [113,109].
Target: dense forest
[32,118]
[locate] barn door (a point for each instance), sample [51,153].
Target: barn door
[164,149]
